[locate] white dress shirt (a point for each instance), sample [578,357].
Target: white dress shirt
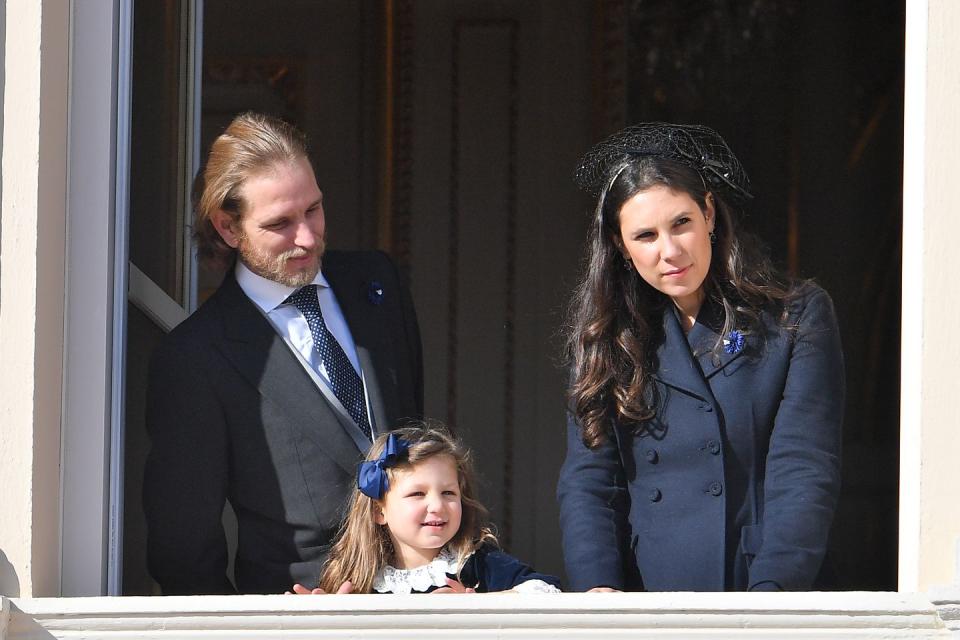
[269,297]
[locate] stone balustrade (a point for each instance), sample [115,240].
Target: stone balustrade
[502,616]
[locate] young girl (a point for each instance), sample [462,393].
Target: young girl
[415,527]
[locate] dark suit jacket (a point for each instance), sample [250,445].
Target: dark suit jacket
[733,484]
[233,415]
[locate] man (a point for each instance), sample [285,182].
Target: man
[270,393]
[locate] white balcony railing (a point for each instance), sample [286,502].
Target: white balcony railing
[502,616]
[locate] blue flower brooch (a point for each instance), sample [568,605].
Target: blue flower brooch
[734,342]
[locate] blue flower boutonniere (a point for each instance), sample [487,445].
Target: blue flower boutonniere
[734,341]
[375,292]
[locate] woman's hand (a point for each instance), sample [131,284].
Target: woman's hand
[603,590]
[454,587]
[300,590]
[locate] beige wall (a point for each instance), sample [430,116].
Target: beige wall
[930,413]
[32,286]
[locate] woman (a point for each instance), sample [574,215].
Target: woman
[706,391]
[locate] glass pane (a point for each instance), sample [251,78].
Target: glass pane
[157,149]
[157,204]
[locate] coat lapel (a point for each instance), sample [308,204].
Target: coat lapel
[704,336]
[677,366]
[265,360]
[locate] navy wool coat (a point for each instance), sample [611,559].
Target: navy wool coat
[733,484]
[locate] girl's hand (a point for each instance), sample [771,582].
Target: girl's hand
[454,587]
[300,590]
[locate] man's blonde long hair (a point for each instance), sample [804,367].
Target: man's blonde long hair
[363,547]
[252,144]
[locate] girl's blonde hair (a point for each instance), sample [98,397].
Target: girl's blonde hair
[363,547]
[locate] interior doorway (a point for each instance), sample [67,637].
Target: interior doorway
[445,132]
[810,95]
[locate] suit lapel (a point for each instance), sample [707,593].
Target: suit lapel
[333,402]
[372,383]
[265,360]
[349,286]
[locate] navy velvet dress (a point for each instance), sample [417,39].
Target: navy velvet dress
[487,570]
[733,484]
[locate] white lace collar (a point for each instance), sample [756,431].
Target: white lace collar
[392,580]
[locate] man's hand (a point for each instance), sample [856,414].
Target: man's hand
[300,590]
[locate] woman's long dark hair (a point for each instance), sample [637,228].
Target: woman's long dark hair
[615,318]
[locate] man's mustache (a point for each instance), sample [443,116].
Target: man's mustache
[295,253]
[300,252]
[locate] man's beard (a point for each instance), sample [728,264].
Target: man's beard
[275,267]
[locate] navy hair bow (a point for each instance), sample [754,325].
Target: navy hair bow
[372,477]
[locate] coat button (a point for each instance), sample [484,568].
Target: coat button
[655,495]
[713,447]
[652,456]
[716,488]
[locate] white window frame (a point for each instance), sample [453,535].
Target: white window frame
[94,328]
[95,135]
[101,281]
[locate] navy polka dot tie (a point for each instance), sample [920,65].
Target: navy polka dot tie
[344,381]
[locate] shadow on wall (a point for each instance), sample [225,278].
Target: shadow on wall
[9,583]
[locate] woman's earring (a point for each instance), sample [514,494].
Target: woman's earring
[713,238]
[628,264]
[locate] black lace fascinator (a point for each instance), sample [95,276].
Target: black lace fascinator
[699,147]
